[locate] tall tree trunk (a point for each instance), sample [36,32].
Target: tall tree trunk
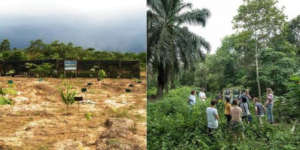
[166,80]
[173,86]
[257,71]
[173,78]
[160,81]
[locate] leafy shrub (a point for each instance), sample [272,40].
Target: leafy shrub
[68,95]
[88,116]
[11,72]
[5,101]
[101,74]
[42,70]
[2,92]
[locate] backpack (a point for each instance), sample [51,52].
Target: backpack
[261,108]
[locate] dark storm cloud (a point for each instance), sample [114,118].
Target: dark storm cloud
[121,34]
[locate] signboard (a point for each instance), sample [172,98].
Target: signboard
[70,65]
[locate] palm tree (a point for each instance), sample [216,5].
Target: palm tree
[171,46]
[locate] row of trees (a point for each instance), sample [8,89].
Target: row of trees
[38,50]
[264,52]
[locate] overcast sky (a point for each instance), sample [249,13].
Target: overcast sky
[101,24]
[222,12]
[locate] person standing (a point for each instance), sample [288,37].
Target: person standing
[212,117]
[245,109]
[245,94]
[227,110]
[202,95]
[269,104]
[219,97]
[192,98]
[227,93]
[259,109]
[248,95]
[236,121]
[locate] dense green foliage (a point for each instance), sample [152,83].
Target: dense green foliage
[172,124]
[262,53]
[38,50]
[42,70]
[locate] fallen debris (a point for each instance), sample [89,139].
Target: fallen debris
[119,135]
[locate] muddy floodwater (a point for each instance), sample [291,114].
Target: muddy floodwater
[109,117]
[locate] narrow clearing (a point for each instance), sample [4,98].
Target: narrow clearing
[38,119]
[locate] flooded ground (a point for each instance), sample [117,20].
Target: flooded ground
[108,118]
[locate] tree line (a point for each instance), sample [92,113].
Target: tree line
[39,50]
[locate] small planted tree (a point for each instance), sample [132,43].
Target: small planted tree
[101,75]
[68,96]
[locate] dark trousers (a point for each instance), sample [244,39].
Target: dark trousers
[210,131]
[228,118]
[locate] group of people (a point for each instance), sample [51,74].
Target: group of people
[192,97]
[236,109]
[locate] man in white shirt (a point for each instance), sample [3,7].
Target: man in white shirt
[212,117]
[202,95]
[192,98]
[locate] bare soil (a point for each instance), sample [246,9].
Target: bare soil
[38,119]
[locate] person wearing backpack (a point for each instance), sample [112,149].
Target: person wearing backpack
[269,105]
[259,109]
[247,93]
[246,116]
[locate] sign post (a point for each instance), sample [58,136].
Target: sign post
[70,65]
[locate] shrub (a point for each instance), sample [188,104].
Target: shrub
[101,74]
[5,101]
[173,124]
[42,70]
[88,115]
[68,96]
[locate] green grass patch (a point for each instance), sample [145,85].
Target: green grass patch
[5,101]
[9,91]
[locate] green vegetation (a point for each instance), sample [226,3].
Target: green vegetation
[263,52]
[5,101]
[38,50]
[172,124]
[9,91]
[42,70]
[67,95]
[101,74]
[88,116]
[170,43]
